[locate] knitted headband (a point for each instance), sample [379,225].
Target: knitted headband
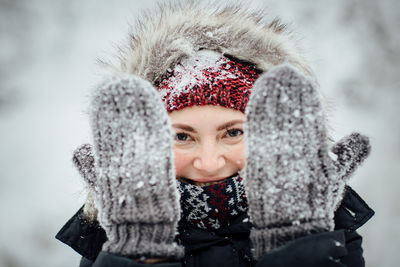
[208,78]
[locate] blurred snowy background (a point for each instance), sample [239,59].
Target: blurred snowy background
[48,51]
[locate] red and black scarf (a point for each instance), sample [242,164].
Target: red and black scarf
[213,206]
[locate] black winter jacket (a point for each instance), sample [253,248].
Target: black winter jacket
[230,246]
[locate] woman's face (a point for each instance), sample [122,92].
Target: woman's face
[209,143]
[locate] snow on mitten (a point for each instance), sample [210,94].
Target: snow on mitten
[134,176]
[293,186]
[83,160]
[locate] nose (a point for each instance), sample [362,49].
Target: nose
[210,158]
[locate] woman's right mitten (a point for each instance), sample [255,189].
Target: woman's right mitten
[293,185]
[134,176]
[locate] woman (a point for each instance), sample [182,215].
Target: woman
[247,179]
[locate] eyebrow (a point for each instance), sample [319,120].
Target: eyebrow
[188,128]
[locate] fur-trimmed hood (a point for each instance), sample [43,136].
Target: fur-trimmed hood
[162,37]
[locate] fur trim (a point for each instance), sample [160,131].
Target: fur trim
[178,29]
[89,209]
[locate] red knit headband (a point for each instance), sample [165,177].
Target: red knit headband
[208,78]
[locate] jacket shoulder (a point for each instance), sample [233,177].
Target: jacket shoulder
[84,237]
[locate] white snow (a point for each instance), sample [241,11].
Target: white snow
[48,67]
[190,71]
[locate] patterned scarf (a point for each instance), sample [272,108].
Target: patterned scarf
[213,206]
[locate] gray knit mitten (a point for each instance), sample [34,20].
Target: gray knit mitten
[292,184]
[134,176]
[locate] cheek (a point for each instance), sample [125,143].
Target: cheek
[237,155]
[182,161]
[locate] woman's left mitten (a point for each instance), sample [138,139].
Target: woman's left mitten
[134,176]
[292,184]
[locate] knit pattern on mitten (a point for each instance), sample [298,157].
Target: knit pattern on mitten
[292,184]
[134,181]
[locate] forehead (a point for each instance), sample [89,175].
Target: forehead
[205,115]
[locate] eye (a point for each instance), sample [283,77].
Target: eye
[182,137]
[234,132]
